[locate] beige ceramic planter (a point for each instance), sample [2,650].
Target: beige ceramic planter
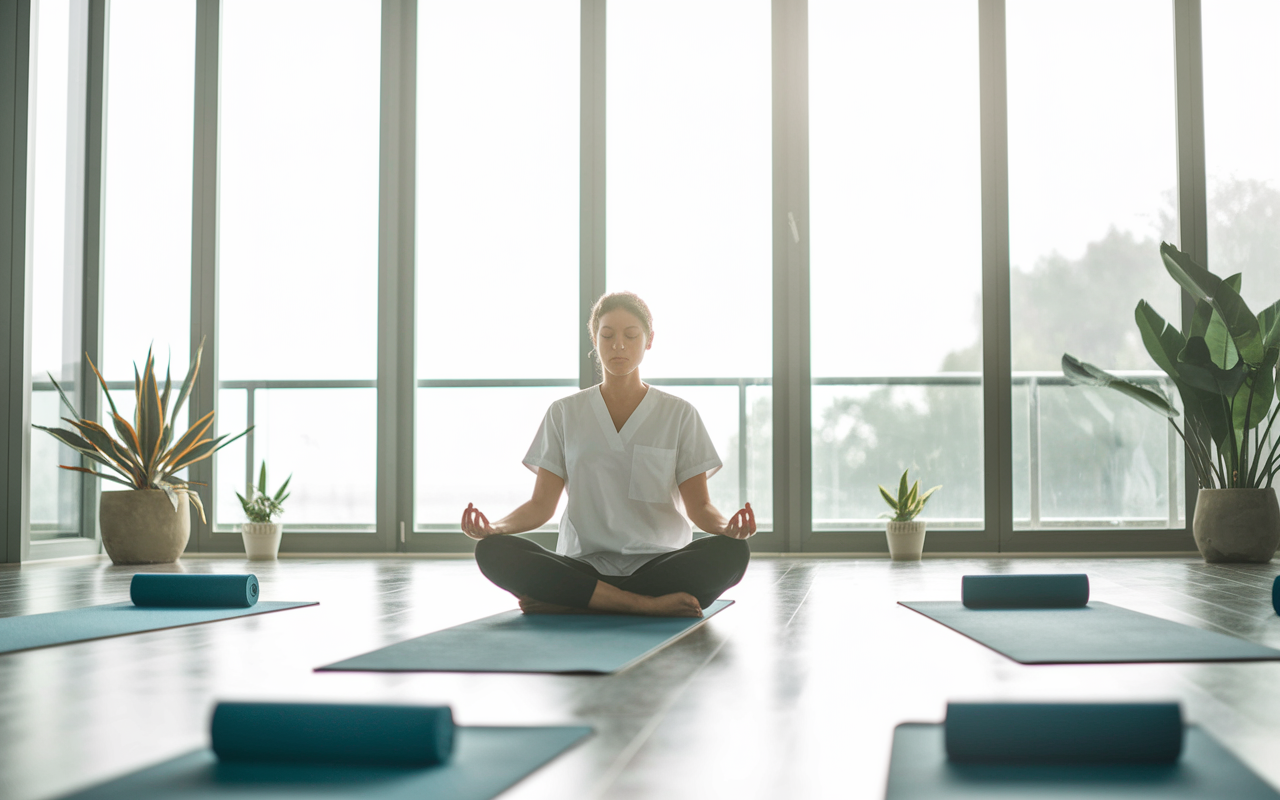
[139,526]
[261,540]
[1239,526]
[906,540]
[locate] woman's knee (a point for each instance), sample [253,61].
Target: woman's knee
[735,552]
[493,553]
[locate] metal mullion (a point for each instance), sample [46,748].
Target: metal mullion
[396,330]
[997,386]
[591,180]
[17,33]
[204,252]
[93,222]
[1192,184]
[792,389]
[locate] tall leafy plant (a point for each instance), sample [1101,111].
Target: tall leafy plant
[1224,369]
[147,454]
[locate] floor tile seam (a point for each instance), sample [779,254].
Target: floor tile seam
[628,754]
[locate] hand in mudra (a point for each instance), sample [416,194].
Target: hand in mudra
[742,524]
[475,524]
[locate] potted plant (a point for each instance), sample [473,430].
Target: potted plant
[1224,368]
[261,535]
[904,532]
[149,522]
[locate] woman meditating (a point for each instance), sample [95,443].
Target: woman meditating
[630,456]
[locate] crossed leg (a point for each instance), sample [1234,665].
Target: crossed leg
[679,583]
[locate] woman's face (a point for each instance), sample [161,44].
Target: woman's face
[621,342]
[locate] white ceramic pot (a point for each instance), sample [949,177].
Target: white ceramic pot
[139,526]
[906,540]
[261,540]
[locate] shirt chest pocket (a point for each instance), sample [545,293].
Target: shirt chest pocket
[653,474]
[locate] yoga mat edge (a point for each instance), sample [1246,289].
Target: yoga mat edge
[347,665]
[488,761]
[264,607]
[1249,651]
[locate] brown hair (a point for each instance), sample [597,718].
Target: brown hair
[627,301]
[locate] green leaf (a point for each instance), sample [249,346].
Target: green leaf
[102,475]
[1162,340]
[1196,367]
[1084,374]
[262,479]
[187,383]
[1222,348]
[63,395]
[76,443]
[105,391]
[280,493]
[888,498]
[1261,383]
[902,491]
[1268,323]
[924,498]
[1204,285]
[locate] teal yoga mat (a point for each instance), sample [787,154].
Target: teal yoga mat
[1098,633]
[919,770]
[516,642]
[485,762]
[193,591]
[116,619]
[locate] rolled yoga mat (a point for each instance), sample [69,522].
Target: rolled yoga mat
[1024,591]
[919,769]
[330,733]
[515,642]
[1064,733]
[193,591]
[485,763]
[1275,594]
[1097,633]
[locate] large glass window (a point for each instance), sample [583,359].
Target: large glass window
[298,254]
[1092,172]
[57,105]
[689,208]
[497,241]
[147,237]
[1242,144]
[896,258]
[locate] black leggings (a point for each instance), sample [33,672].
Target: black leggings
[704,569]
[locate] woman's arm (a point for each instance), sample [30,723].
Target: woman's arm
[532,514]
[697,503]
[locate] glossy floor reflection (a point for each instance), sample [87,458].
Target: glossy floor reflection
[791,693]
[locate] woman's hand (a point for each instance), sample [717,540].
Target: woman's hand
[475,524]
[742,524]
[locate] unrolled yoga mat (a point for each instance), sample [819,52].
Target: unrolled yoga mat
[228,594]
[1015,616]
[1099,633]
[516,642]
[485,762]
[920,768]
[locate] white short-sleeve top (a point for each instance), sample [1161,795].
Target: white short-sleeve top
[624,506]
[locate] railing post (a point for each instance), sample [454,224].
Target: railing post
[249,421]
[1033,447]
[743,429]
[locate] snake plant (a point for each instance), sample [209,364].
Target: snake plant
[147,454]
[261,505]
[909,502]
[1224,369]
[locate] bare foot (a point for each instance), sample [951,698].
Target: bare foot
[679,604]
[530,606]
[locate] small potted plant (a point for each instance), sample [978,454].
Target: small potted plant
[261,535]
[904,532]
[149,521]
